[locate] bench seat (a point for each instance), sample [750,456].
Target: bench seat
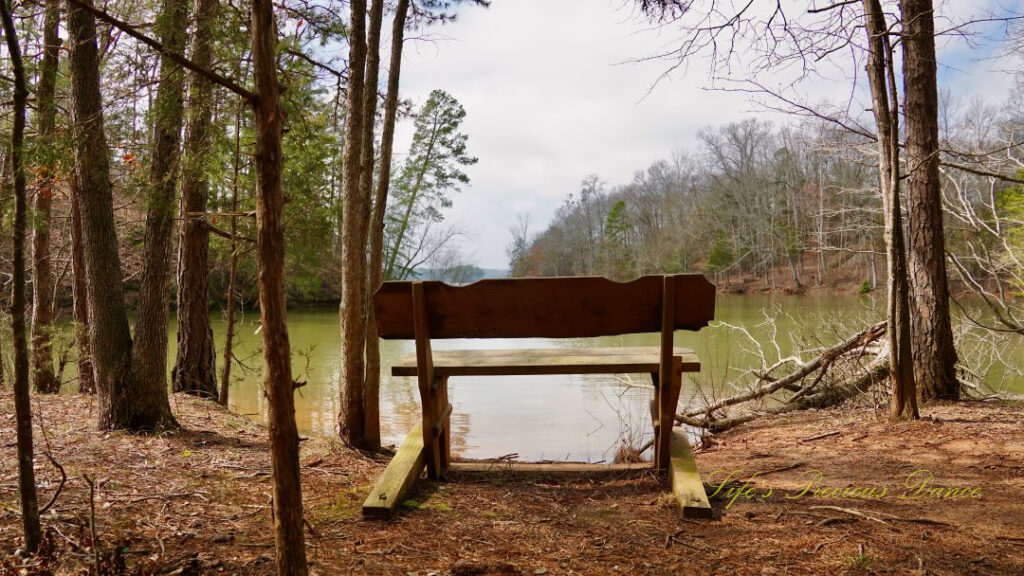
[546,361]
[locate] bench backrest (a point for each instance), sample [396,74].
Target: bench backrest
[574,307]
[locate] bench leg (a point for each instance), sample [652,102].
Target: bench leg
[445,436]
[656,415]
[668,398]
[431,445]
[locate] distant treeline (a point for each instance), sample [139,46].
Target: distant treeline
[760,206]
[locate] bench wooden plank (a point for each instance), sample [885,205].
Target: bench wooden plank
[548,467]
[574,307]
[522,362]
[398,478]
[686,484]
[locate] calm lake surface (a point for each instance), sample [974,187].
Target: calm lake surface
[550,417]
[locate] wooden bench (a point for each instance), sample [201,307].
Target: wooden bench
[576,307]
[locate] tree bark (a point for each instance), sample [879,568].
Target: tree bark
[80,299]
[351,422]
[280,390]
[149,353]
[122,404]
[229,335]
[371,371]
[22,405]
[934,351]
[903,404]
[42,277]
[195,366]
[371,388]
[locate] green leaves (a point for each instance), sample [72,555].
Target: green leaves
[421,191]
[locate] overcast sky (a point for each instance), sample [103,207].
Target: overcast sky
[551,96]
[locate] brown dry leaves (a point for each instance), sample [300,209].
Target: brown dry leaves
[197,502]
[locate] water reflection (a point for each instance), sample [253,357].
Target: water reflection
[543,417]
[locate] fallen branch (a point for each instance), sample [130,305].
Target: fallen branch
[646,445]
[780,469]
[822,361]
[820,436]
[92,523]
[851,512]
[723,424]
[874,372]
[63,480]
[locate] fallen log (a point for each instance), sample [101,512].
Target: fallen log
[875,371]
[820,362]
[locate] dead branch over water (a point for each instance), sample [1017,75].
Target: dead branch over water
[855,367]
[836,374]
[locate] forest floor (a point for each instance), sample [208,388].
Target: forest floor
[197,501]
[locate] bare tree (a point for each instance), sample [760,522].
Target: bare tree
[22,406]
[519,248]
[986,216]
[881,78]
[42,276]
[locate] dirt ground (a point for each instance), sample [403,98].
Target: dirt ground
[197,502]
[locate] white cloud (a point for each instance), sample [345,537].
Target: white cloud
[550,97]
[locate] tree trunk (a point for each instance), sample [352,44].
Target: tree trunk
[22,402]
[821,230]
[150,349]
[279,387]
[122,405]
[371,371]
[903,404]
[229,336]
[195,366]
[351,423]
[371,391]
[80,299]
[934,350]
[42,278]
[149,352]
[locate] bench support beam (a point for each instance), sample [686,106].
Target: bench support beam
[663,413]
[433,392]
[398,478]
[686,484]
[669,377]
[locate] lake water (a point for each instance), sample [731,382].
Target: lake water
[554,417]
